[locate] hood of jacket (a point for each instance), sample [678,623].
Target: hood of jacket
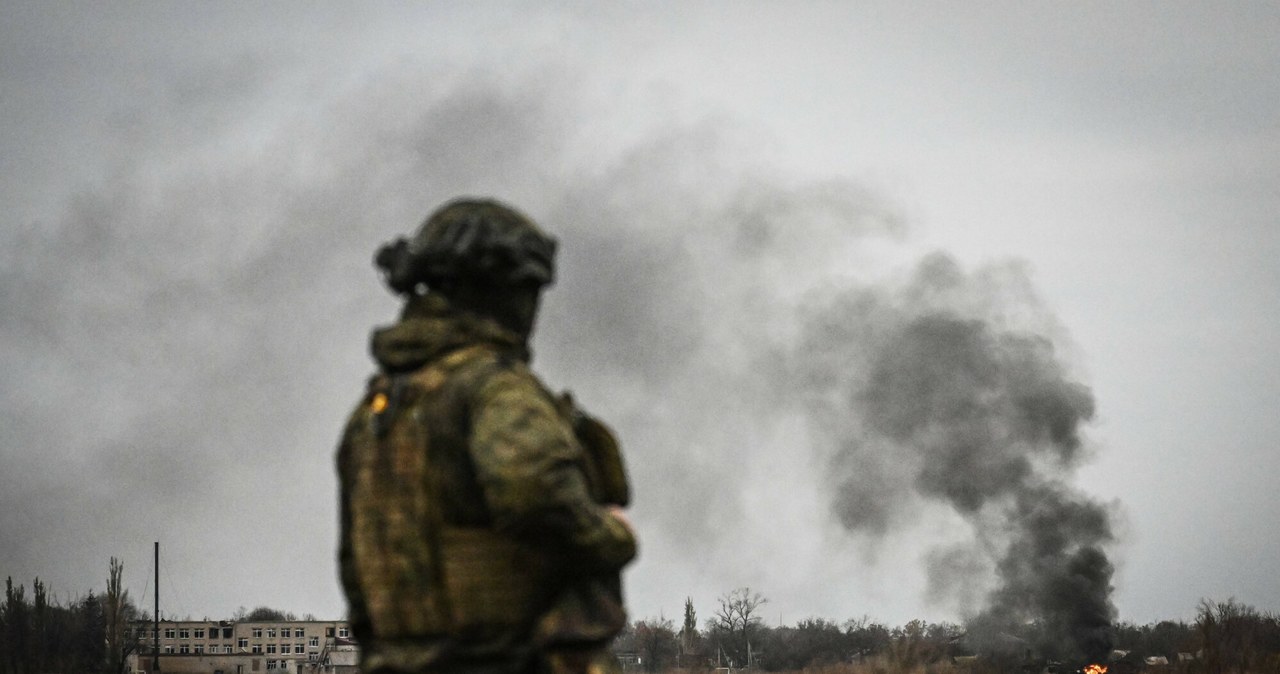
[429,329]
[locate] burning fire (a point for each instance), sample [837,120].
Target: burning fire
[1095,669]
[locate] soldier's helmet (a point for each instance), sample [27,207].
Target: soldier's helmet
[470,240]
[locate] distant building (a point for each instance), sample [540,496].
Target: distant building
[257,647]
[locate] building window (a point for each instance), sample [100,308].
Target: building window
[344,632]
[328,631]
[257,648]
[170,633]
[168,649]
[314,642]
[271,664]
[257,633]
[226,633]
[271,649]
[184,633]
[199,633]
[243,643]
[299,648]
[199,649]
[313,657]
[185,649]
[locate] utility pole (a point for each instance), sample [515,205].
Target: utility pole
[155,635]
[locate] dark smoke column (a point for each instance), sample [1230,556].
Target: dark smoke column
[932,391]
[1056,573]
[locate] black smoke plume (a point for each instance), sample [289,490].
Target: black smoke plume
[949,389]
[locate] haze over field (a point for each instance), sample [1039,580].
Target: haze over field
[877,297]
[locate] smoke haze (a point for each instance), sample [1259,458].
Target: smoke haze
[202,312]
[204,324]
[824,393]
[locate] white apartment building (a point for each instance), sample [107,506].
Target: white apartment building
[229,647]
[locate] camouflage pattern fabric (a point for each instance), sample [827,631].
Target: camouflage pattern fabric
[472,532]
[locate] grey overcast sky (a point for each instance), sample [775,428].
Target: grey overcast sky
[750,197]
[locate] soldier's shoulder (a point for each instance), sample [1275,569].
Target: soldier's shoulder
[481,371]
[498,373]
[466,368]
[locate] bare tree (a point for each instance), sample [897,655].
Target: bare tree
[15,618]
[1228,633]
[268,614]
[689,630]
[735,622]
[44,633]
[122,641]
[656,644]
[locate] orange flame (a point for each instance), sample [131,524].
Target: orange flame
[1095,669]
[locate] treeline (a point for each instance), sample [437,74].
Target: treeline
[1224,637]
[88,634]
[655,645]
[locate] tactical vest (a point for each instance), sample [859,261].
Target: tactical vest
[423,556]
[420,570]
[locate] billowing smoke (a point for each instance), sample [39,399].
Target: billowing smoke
[948,389]
[731,305]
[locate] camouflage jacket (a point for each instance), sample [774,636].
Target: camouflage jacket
[469,508]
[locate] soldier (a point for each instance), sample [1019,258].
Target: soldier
[481,521]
